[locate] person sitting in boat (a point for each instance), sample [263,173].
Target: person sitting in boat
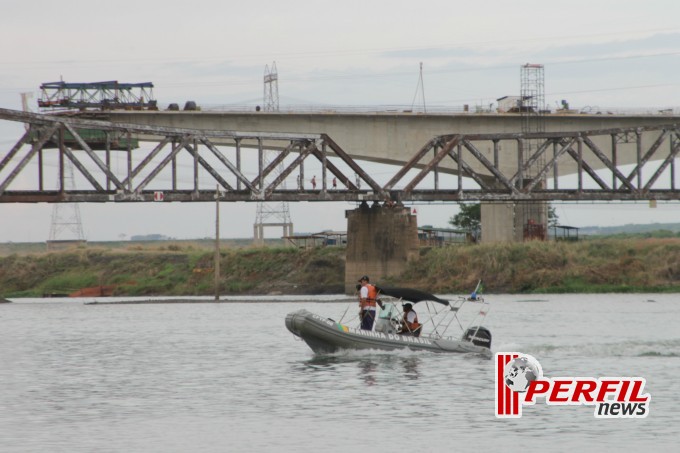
[368,296]
[409,323]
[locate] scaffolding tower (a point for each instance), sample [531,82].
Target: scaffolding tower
[271,214]
[532,94]
[532,111]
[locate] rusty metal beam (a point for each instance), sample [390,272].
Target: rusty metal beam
[493,168]
[669,160]
[176,149]
[446,149]
[46,134]
[288,170]
[335,171]
[82,123]
[411,163]
[234,169]
[15,149]
[197,157]
[540,176]
[351,163]
[642,160]
[102,166]
[618,176]
[154,152]
[79,165]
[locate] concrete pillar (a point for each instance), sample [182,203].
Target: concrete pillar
[258,234]
[380,242]
[498,222]
[506,222]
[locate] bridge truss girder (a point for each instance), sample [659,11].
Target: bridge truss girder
[474,156]
[101,95]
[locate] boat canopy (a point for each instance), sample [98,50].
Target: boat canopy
[411,295]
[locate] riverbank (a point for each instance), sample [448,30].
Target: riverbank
[649,265]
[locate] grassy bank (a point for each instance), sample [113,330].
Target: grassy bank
[173,270]
[607,265]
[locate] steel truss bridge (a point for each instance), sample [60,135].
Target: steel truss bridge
[216,156]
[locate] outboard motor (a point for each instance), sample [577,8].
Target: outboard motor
[479,336]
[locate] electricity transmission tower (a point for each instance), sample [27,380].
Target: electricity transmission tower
[66,222]
[271,89]
[271,213]
[420,88]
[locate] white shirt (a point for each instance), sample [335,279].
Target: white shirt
[363,294]
[411,316]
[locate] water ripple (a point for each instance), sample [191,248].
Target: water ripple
[230,377]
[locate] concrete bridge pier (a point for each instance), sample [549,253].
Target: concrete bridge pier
[514,222]
[381,241]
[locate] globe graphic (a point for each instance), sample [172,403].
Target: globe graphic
[520,372]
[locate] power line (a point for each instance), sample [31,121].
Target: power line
[306,77]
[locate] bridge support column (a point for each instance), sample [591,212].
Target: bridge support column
[380,242]
[514,222]
[258,231]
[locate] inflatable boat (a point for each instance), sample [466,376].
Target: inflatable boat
[325,335]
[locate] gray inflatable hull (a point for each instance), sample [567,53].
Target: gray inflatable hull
[324,336]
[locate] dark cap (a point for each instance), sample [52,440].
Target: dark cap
[407,305]
[365,277]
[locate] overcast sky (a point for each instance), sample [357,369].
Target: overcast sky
[598,54]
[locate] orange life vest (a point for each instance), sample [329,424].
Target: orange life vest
[370,300]
[412,326]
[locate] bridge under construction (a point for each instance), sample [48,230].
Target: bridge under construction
[498,167]
[519,170]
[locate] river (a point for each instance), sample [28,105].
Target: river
[229,377]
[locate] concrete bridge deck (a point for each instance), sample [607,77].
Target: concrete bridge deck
[393,138]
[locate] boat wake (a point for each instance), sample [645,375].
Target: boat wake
[360,354]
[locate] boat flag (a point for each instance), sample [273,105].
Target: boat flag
[478,290]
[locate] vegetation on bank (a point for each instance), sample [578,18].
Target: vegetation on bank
[174,270]
[593,266]
[602,265]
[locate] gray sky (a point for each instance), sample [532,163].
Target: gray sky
[602,54]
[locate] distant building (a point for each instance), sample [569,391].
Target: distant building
[440,237]
[513,104]
[322,239]
[565,233]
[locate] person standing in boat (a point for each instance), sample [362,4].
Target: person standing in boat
[409,323]
[368,296]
